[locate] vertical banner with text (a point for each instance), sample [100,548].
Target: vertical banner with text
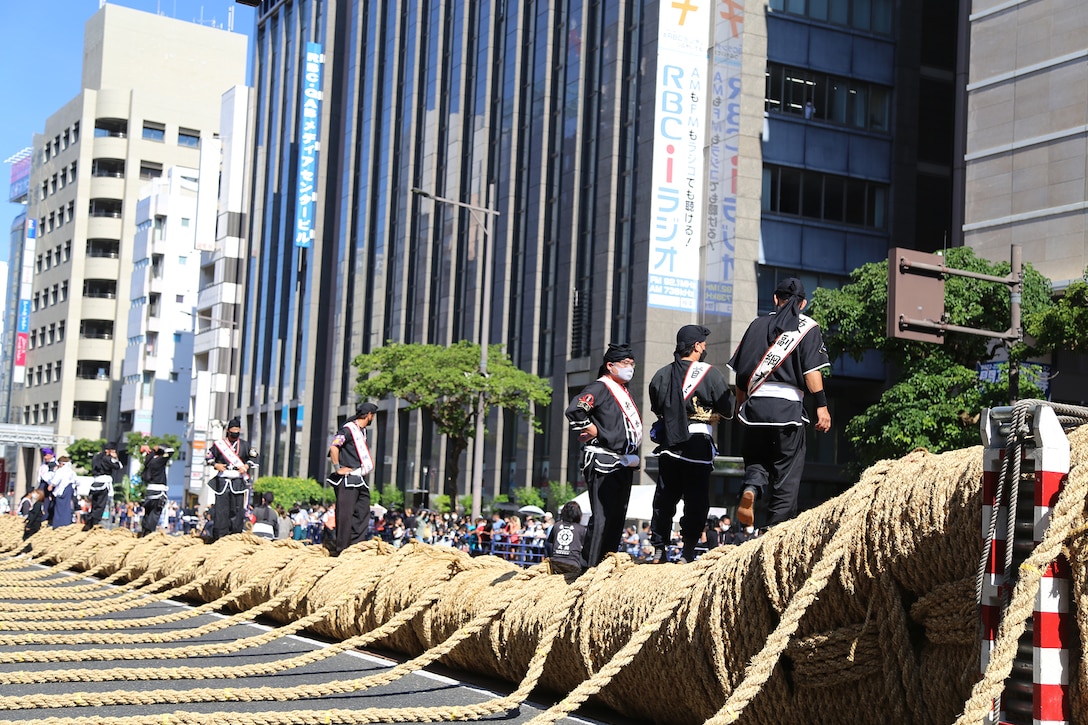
[26,285]
[678,197]
[308,145]
[723,149]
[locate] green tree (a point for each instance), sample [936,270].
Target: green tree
[465,503]
[445,382]
[81,451]
[441,504]
[559,492]
[528,497]
[936,396]
[1062,326]
[391,497]
[287,491]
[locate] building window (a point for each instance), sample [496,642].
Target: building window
[180,416]
[110,127]
[828,98]
[174,379]
[824,197]
[154,131]
[150,170]
[60,334]
[188,137]
[870,15]
[64,290]
[75,132]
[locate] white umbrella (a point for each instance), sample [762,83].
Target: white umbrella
[377,510]
[531,510]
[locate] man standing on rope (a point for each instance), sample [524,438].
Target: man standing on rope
[780,357]
[103,466]
[154,475]
[45,479]
[609,427]
[230,456]
[352,462]
[688,396]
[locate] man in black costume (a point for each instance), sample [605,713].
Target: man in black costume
[780,357]
[688,396]
[609,427]
[352,462]
[230,456]
[103,466]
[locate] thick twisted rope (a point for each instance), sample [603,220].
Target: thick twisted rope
[762,665]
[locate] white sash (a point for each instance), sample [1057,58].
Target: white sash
[786,342]
[229,453]
[695,375]
[366,463]
[627,405]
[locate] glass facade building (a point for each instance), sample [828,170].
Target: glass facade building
[653,165]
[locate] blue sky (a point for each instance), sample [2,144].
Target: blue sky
[40,64]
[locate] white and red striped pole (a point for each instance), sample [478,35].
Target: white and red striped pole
[1054,630]
[992,600]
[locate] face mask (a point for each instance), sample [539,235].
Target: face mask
[702,356]
[234,435]
[625,373]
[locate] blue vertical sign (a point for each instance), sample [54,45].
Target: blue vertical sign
[308,145]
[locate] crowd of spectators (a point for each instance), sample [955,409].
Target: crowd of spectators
[520,538]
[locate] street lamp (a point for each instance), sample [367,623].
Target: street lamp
[485,323]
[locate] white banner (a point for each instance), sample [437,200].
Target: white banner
[679,193]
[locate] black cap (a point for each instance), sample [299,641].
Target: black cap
[111,446]
[691,334]
[790,287]
[616,353]
[234,423]
[364,409]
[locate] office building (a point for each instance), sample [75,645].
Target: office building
[653,165]
[151,88]
[157,366]
[1026,154]
[216,322]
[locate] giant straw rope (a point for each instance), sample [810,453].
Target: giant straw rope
[863,607]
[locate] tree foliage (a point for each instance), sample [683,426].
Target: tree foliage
[1062,325]
[937,396]
[527,496]
[81,451]
[559,492]
[289,491]
[446,383]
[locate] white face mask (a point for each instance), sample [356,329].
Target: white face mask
[625,373]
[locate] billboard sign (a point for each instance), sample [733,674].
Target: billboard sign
[20,179]
[678,179]
[723,151]
[22,328]
[309,124]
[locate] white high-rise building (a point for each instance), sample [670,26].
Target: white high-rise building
[158,357]
[150,101]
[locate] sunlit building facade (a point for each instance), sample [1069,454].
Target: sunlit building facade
[652,165]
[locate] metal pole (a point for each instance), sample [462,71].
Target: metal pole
[485,327]
[1015,292]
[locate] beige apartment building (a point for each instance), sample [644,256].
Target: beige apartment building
[1026,159]
[150,98]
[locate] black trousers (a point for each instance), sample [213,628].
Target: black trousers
[352,515]
[99,501]
[680,479]
[774,458]
[229,513]
[608,497]
[152,510]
